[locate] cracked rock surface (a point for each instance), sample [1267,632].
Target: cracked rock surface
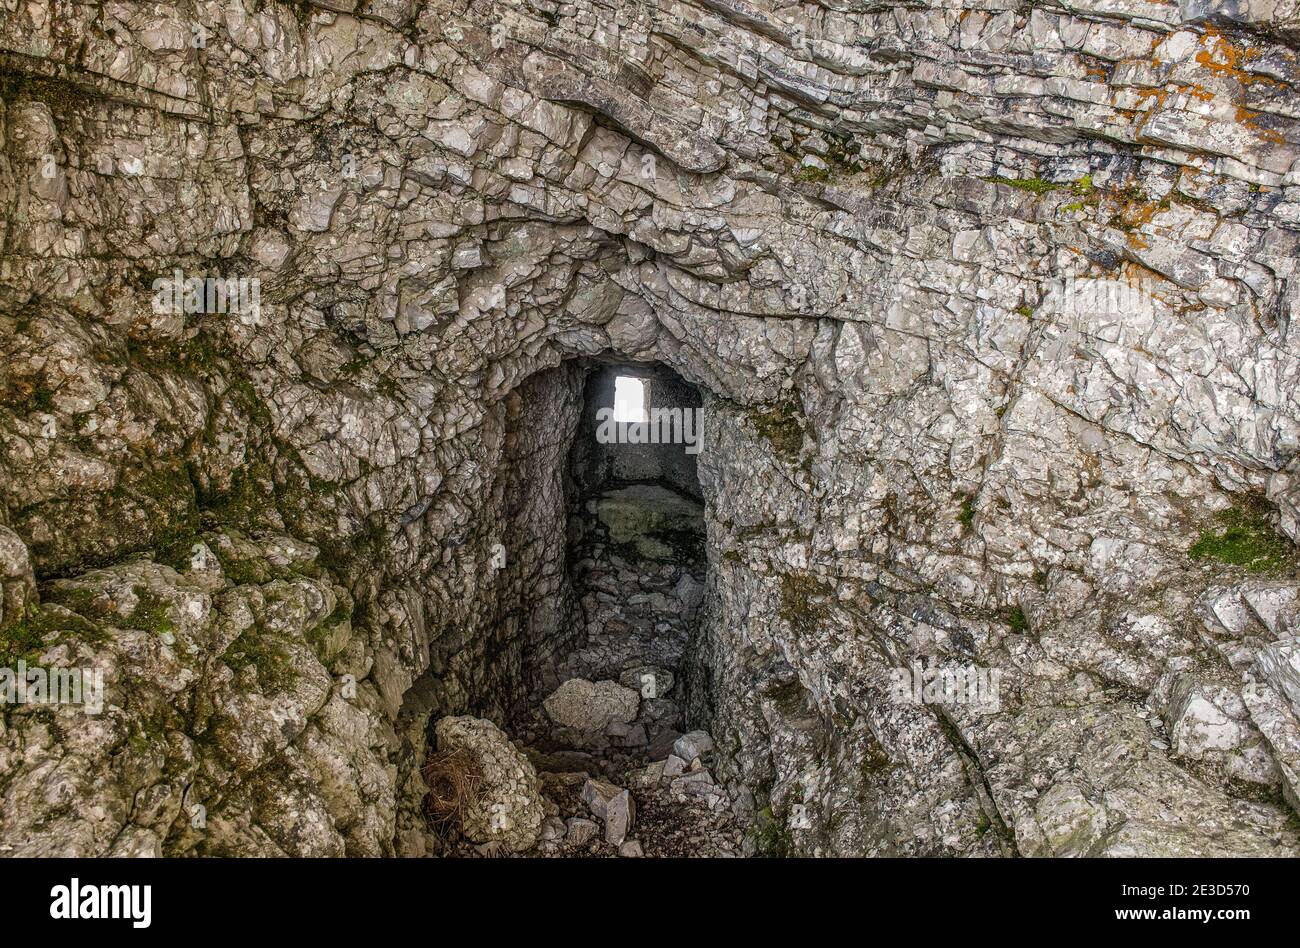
[989,307]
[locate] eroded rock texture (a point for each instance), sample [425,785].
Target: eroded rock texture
[990,310]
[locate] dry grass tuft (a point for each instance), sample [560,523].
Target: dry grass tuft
[453,778]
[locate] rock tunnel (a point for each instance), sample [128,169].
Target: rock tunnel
[730,429]
[601,565]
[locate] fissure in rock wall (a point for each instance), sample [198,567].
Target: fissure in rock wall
[988,308]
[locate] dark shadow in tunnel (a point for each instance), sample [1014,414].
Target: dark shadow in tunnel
[599,564]
[636,543]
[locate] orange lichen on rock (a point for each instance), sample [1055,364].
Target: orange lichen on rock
[1248,118]
[1144,113]
[1134,211]
[1225,58]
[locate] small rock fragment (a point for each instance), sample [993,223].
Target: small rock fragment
[613,805]
[581,831]
[692,745]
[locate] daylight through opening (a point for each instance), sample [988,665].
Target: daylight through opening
[631,399]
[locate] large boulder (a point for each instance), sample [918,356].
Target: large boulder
[1281,729]
[1279,665]
[590,707]
[505,803]
[1208,721]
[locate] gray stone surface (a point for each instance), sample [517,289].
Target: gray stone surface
[506,805]
[613,806]
[990,311]
[650,681]
[17,582]
[590,707]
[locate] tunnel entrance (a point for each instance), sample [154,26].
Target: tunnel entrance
[635,563]
[636,545]
[590,676]
[616,725]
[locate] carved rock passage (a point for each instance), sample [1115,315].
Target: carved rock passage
[990,310]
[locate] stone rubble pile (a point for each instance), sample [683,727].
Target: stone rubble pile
[515,810]
[619,778]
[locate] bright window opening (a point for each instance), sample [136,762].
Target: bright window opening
[631,399]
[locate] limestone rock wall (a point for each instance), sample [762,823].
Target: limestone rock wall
[991,309]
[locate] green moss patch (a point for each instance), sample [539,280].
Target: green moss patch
[152,613]
[782,425]
[813,175]
[966,516]
[39,629]
[28,637]
[842,156]
[247,501]
[1246,539]
[1033,185]
[771,838]
[151,509]
[258,648]
[1082,188]
[805,601]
